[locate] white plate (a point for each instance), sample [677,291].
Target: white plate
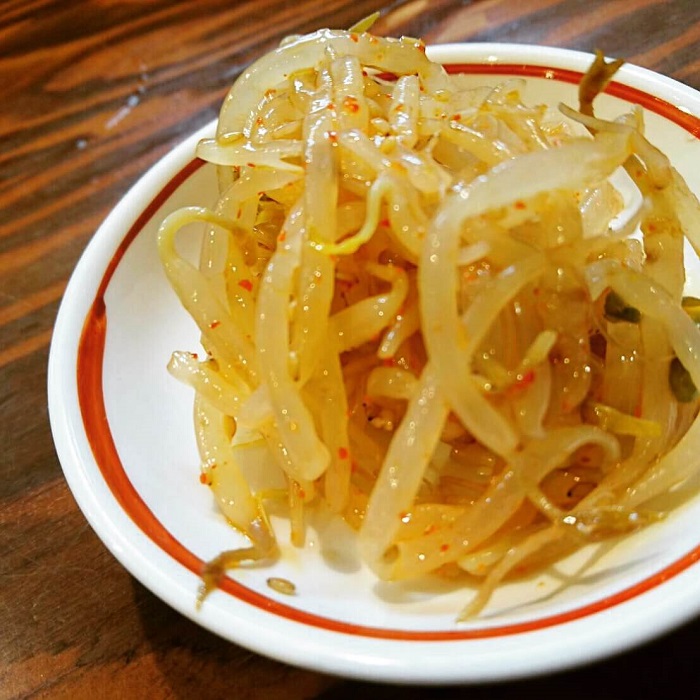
[124,436]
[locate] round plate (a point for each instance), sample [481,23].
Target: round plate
[124,435]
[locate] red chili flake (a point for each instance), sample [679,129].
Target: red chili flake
[332,136]
[204,479]
[282,236]
[385,222]
[444,547]
[521,382]
[355,38]
[457,117]
[420,46]
[214,324]
[246,284]
[301,493]
[351,104]
[330,105]
[343,452]
[651,228]
[389,362]
[259,121]
[194,355]
[239,212]
[365,73]
[250,165]
[527,378]
[270,92]
[520,204]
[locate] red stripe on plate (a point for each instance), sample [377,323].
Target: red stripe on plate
[632,95]
[94,415]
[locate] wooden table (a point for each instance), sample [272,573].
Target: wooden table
[92,93]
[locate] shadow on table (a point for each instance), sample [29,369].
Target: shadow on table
[193,662]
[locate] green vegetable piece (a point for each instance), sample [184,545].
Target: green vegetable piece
[691,305]
[365,24]
[617,309]
[681,383]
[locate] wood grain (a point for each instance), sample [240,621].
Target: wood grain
[93,92]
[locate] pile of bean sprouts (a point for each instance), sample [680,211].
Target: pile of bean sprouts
[420,298]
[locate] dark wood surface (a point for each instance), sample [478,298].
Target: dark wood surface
[91,94]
